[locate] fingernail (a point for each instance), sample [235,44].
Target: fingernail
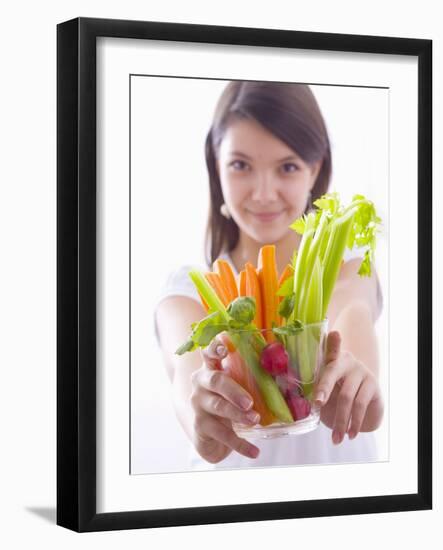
[320,397]
[253,417]
[351,434]
[246,403]
[253,452]
[220,350]
[337,437]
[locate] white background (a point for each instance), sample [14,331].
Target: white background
[169,123]
[28,298]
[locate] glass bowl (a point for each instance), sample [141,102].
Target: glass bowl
[279,369]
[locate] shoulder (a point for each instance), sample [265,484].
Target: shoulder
[178,303]
[178,283]
[353,254]
[178,287]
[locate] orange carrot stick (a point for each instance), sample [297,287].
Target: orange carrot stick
[253,289]
[242,282]
[217,284]
[224,269]
[267,273]
[238,371]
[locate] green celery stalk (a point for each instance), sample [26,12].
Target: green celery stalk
[308,339]
[300,261]
[313,312]
[312,256]
[308,288]
[324,243]
[299,269]
[318,265]
[208,293]
[340,231]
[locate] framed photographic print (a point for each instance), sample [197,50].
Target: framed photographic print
[281,181]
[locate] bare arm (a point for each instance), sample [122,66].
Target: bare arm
[355,306]
[206,400]
[174,318]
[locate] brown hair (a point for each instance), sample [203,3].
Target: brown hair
[291,113]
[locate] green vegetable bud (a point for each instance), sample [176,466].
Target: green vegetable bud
[242,309]
[287,306]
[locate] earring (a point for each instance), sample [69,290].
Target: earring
[224,211]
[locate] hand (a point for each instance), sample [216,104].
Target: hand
[348,393]
[217,400]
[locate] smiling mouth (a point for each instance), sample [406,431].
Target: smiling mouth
[266,216]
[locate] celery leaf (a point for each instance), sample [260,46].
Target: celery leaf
[299,225]
[286,287]
[189,345]
[290,329]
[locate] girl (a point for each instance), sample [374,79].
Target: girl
[268,158]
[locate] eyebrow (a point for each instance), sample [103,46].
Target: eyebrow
[244,155]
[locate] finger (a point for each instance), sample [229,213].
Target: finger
[215,404]
[211,426]
[332,372]
[214,353]
[345,401]
[333,344]
[361,403]
[218,382]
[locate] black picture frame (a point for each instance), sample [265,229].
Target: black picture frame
[76,273]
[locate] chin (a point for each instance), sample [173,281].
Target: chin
[269,235]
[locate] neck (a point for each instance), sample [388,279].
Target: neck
[247,250]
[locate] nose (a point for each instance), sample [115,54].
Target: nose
[265,189]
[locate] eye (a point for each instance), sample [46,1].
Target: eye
[289,167]
[239,165]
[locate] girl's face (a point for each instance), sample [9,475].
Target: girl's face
[265,184]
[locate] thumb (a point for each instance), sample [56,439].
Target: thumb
[326,383]
[333,344]
[214,353]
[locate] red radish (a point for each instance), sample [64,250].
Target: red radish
[298,405]
[274,359]
[282,382]
[288,382]
[293,382]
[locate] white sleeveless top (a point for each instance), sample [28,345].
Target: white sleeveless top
[315,447]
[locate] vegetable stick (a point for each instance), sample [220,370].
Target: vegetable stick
[341,228]
[300,261]
[267,274]
[321,234]
[207,292]
[204,302]
[224,269]
[239,372]
[253,289]
[217,284]
[250,351]
[242,282]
